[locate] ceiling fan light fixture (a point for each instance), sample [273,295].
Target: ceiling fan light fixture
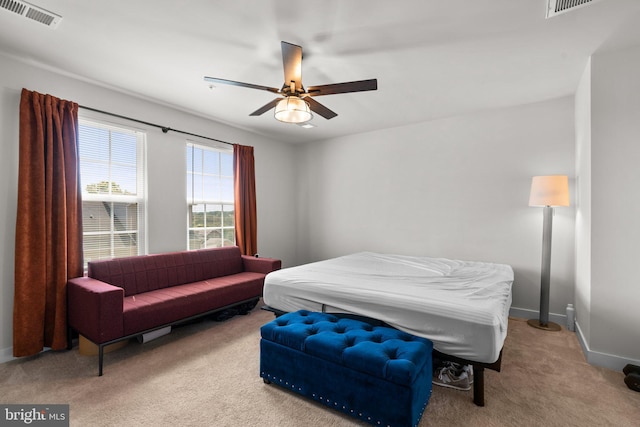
[293,109]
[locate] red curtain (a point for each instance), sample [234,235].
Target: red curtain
[244,186]
[49,222]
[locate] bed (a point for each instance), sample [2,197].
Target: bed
[461,306]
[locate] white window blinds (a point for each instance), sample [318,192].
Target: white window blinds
[112,178]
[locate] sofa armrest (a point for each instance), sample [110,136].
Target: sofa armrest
[95,309]
[260,265]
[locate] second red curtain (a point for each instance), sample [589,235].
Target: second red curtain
[244,184]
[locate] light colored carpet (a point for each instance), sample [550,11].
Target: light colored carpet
[206,374]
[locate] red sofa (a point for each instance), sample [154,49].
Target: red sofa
[125,297]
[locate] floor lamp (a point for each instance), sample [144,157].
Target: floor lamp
[547,191]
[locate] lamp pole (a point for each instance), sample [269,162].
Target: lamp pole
[545,278]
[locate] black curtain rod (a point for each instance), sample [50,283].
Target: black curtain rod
[165,129]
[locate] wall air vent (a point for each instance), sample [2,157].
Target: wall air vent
[557,7]
[30,11]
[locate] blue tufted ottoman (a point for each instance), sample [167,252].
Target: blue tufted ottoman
[375,373]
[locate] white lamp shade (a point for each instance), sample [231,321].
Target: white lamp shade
[293,109]
[549,190]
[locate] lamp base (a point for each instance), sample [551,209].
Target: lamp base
[550,326]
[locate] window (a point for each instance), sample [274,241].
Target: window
[112,179]
[210,197]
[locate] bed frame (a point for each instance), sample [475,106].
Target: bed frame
[478,367]
[478,373]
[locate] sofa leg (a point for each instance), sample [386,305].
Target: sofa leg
[100,358]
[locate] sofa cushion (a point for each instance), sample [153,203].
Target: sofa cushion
[216,262]
[161,306]
[145,273]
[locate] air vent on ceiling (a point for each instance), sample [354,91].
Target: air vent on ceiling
[557,7]
[30,11]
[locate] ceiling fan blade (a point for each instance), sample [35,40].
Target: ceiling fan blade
[292,62]
[234,83]
[331,89]
[316,107]
[266,107]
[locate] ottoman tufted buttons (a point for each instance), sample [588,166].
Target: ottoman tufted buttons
[384,375]
[392,353]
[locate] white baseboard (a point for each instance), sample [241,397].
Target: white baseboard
[604,360]
[6,355]
[524,313]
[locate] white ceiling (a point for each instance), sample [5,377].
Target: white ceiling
[432,58]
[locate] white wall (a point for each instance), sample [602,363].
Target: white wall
[456,187]
[615,205]
[583,203]
[275,169]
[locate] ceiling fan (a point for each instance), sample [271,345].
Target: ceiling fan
[295,102]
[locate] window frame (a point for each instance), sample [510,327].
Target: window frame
[191,199]
[139,199]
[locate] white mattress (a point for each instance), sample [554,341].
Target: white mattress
[462,306]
